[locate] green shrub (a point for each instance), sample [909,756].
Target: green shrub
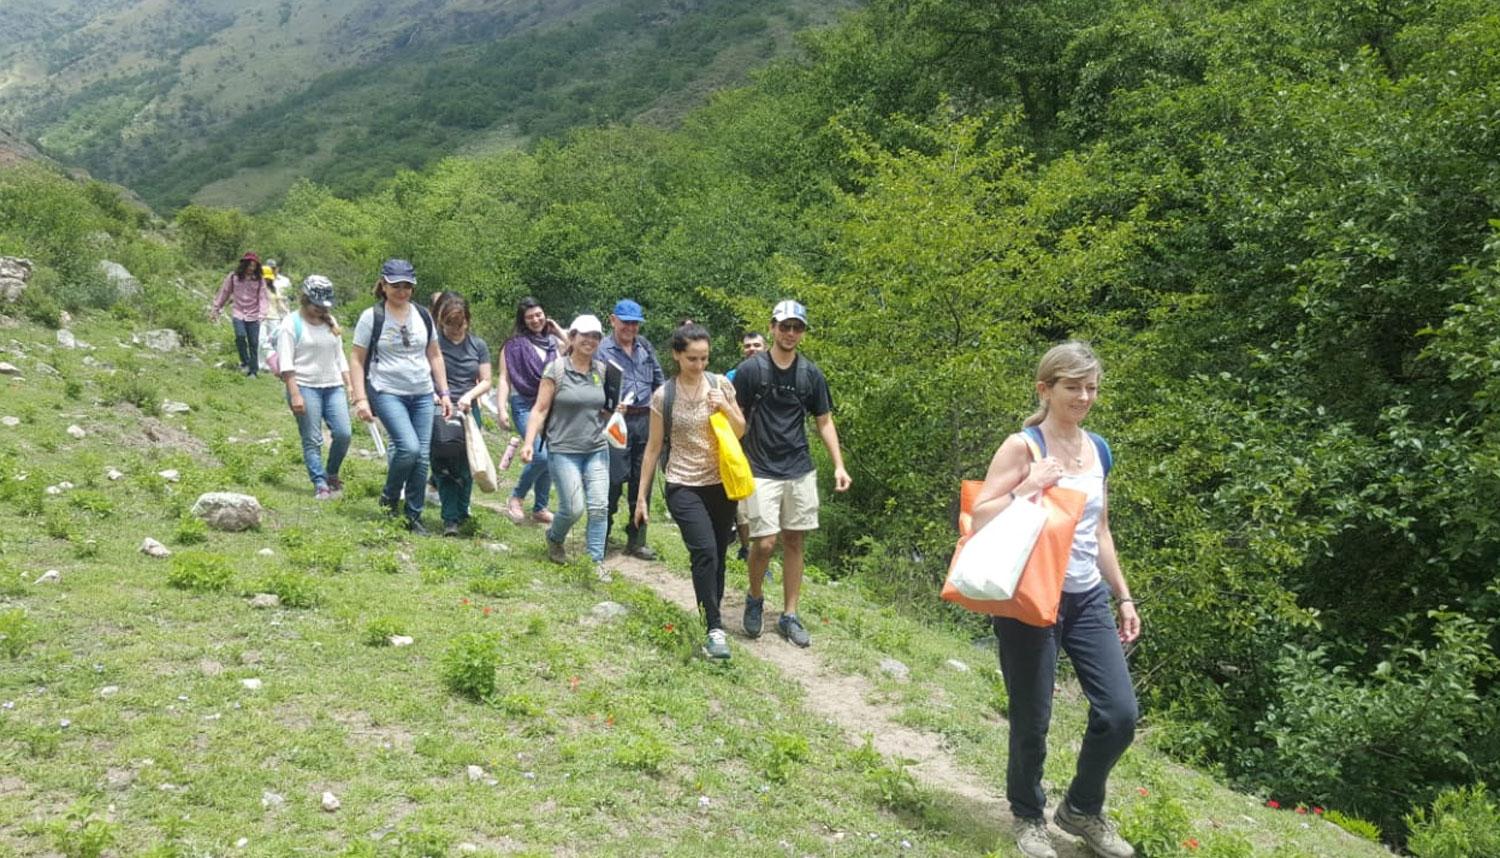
[642,752]
[784,752]
[1157,824]
[494,587]
[190,531]
[199,572]
[295,589]
[469,663]
[1361,828]
[17,632]
[129,385]
[379,631]
[1462,823]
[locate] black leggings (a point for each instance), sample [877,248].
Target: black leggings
[705,515]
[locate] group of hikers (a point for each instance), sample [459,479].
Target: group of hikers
[418,370]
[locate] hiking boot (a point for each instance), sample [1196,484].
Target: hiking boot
[640,552]
[555,553]
[450,528]
[1032,839]
[717,646]
[1099,833]
[335,485]
[513,510]
[542,516]
[791,629]
[754,613]
[392,506]
[322,493]
[414,525]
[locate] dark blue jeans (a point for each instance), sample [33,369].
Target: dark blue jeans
[247,340]
[637,427]
[1086,630]
[535,474]
[408,422]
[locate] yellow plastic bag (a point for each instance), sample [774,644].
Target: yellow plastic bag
[734,468]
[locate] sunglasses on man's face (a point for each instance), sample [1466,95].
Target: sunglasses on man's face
[790,327]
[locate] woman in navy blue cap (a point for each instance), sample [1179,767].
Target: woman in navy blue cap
[396,374]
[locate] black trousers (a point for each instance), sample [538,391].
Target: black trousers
[705,515]
[625,475]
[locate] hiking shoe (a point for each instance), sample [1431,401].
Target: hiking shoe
[1032,839]
[555,552]
[743,553]
[335,485]
[513,510]
[641,552]
[1099,833]
[450,528]
[322,493]
[754,613]
[542,516]
[414,525]
[603,575]
[791,629]
[390,505]
[717,646]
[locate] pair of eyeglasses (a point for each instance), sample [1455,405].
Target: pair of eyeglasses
[405,335]
[791,326]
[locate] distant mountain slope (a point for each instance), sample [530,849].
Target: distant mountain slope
[228,101]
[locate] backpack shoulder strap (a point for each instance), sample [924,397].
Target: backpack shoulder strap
[297,328]
[1106,456]
[426,320]
[1036,441]
[668,397]
[377,324]
[763,372]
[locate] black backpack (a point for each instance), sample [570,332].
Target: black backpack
[764,370]
[377,324]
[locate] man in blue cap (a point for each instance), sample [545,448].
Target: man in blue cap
[641,375]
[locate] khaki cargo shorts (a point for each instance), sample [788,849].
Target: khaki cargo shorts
[779,505]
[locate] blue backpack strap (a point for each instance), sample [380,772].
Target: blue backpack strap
[1106,457]
[1038,440]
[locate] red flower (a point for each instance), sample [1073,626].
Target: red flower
[1142,791]
[574,682]
[669,628]
[1317,810]
[1302,810]
[1273,804]
[1191,843]
[486,610]
[463,601]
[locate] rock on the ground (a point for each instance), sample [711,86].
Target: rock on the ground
[66,339]
[497,547]
[169,406]
[14,274]
[152,548]
[895,669]
[270,799]
[475,773]
[109,691]
[51,576]
[468,848]
[7,368]
[265,600]
[126,286]
[161,340]
[113,474]
[609,611]
[77,431]
[10,421]
[170,475]
[251,684]
[228,511]
[400,640]
[250,656]
[209,667]
[957,665]
[266,552]
[331,802]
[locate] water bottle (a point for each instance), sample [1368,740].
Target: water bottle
[510,452]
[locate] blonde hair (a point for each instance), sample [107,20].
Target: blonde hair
[1072,359]
[322,315]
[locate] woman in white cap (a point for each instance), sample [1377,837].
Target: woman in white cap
[572,393]
[310,351]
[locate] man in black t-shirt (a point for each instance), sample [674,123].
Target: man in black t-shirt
[778,389]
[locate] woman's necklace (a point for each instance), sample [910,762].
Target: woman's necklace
[697,392]
[1071,452]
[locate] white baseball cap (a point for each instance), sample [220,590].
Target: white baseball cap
[586,324]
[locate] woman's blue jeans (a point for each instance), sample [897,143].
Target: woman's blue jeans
[535,474]
[455,482]
[408,421]
[324,405]
[582,486]
[247,342]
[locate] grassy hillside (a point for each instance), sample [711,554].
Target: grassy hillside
[227,103]
[128,719]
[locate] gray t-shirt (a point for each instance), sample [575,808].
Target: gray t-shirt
[400,365]
[576,422]
[462,361]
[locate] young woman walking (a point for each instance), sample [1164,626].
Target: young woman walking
[466,361]
[695,493]
[244,290]
[536,342]
[572,392]
[1067,385]
[310,349]
[396,374]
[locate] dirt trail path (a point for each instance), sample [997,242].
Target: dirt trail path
[845,700]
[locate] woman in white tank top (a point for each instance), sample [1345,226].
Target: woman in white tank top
[1094,637]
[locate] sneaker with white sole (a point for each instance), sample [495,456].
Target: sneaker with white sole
[1099,832]
[754,616]
[1032,839]
[718,645]
[791,629]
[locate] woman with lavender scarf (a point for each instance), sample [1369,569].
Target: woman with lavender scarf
[536,341]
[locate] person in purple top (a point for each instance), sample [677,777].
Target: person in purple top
[536,342]
[245,292]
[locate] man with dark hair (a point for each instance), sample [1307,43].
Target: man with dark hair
[778,389]
[641,375]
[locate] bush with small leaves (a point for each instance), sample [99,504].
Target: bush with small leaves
[1361,828]
[784,753]
[190,531]
[469,663]
[642,752]
[199,572]
[1461,823]
[17,632]
[294,589]
[379,631]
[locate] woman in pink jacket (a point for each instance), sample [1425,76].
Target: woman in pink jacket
[245,291]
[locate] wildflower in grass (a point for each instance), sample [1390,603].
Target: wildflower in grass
[1142,792]
[669,628]
[1317,810]
[574,682]
[486,610]
[1273,804]
[464,602]
[1302,809]
[1191,843]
